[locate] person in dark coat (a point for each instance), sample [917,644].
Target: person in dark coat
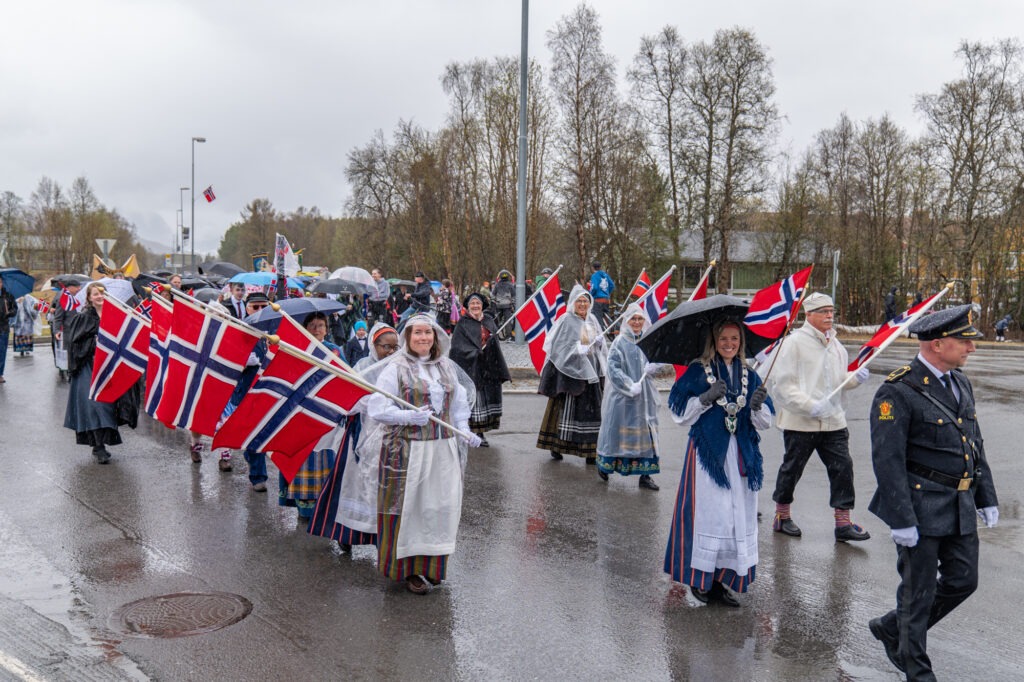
[476,350]
[934,482]
[890,304]
[8,309]
[94,423]
[422,295]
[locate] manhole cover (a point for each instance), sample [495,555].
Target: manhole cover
[179,615]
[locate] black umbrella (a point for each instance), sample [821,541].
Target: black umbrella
[69,279]
[681,336]
[336,286]
[267,319]
[222,268]
[206,294]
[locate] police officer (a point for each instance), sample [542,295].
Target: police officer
[933,484]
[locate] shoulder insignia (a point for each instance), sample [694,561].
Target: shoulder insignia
[898,374]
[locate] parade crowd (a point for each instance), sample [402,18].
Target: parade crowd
[386,466]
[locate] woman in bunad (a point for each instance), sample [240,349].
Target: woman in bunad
[26,325]
[475,349]
[94,423]
[304,489]
[346,509]
[628,442]
[572,379]
[419,498]
[712,544]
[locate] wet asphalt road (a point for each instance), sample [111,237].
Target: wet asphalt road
[557,575]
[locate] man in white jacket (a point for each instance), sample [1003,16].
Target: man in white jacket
[811,363]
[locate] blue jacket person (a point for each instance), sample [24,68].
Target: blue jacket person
[933,484]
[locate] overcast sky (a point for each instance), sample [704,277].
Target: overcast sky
[115,90]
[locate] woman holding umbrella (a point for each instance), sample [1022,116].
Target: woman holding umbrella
[476,350]
[628,441]
[712,545]
[572,379]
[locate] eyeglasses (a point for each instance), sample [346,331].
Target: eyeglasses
[258,306]
[386,346]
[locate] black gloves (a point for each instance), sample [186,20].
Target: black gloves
[716,391]
[757,398]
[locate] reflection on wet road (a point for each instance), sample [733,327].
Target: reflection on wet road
[556,574]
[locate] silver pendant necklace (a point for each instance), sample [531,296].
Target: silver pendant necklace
[731,408]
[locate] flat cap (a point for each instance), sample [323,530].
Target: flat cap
[951,323]
[817,300]
[256,297]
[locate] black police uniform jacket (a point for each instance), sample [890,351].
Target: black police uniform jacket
[908,429]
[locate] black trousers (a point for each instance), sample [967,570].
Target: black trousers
[834,450]
[922,600]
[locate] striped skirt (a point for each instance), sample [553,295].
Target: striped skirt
[713,537]
[307,484]
[394,465]
[325,510]
[571,424]
[486,413]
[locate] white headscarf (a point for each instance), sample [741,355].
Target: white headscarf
[567,334]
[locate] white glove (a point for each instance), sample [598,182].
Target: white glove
[652,368]
[862,375]
[418,417]
[820,408]
[475,441]
[582,349]
[907,537]
[636,388]
[253,361]
[990,515]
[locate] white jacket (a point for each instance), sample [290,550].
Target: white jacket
[809,367]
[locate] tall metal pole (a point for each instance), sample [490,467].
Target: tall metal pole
[179,255]
[192,227]
[524,67]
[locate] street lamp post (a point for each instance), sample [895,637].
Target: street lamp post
[192,228]
[181,240]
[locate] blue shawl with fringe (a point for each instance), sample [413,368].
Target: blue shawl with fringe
[709,432]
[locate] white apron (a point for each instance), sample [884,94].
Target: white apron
[433,500]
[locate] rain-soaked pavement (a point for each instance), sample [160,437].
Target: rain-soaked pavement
[556,576]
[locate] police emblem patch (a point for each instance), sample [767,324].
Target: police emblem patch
[885,411]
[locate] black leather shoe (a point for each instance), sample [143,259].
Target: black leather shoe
[101,455]
[646,482]
[700,595]
[851,532]
[720,594]
[556,455]
[484,443]
[788,527]
[603,475]
[891,644]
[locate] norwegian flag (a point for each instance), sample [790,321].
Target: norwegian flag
[293,402]
[156,365]
[43,307]
[537,317]
[655,303]
[208,194]
[67,301]
[158,287]
[643,284]
[890,329]
[205,359]
[701,291]
[145,308]
[122,352]
[774,307]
